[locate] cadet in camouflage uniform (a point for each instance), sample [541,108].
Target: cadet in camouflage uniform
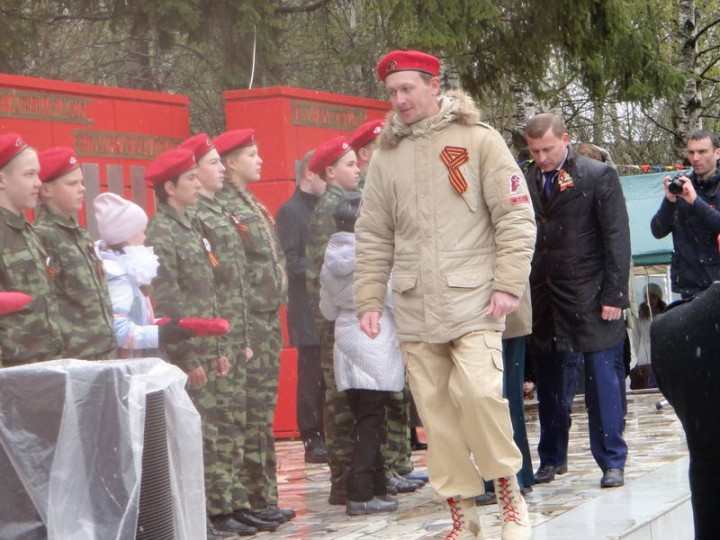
[86,319]
[334,162]
[184,287]
[397,447]
[266,283]
[219,229]
[30,334]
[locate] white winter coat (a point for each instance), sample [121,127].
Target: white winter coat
[359,362]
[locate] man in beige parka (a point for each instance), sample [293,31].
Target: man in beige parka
[446,209]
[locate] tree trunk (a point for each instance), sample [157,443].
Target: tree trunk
[525,108]
[686,116]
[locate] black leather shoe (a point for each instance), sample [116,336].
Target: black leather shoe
[227,523]
[246,517]
[400,485]
[415,476]
[316,454]
[612,478]
[546,473]
[214,534]
[486,499]
[275,513]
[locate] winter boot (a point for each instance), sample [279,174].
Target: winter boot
[513,510]
[466,522]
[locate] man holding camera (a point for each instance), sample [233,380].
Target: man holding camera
[690,212]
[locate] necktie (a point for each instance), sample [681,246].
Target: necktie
[548,185]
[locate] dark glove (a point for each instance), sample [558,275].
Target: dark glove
[171,333]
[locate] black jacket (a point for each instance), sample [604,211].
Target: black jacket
[694,228]
[293,222]
[582,258]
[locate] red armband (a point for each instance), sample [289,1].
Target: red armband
[200,326]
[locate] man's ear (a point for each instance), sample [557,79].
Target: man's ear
[435,85]
[3,180]
[363,154]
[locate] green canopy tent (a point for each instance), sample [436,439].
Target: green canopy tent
[643,194]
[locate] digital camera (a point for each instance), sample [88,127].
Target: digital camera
[675,186]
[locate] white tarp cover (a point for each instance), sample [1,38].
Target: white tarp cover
[73,432]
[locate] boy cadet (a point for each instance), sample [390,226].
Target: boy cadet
[86,319]
[446,209]
[184,287]
[335,162]
[216,226]
[364,142]
[30,334]
[266,284]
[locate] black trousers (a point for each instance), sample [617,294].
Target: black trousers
[310,394]
[367,473]
[685,350]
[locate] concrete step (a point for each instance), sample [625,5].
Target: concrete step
[653,507]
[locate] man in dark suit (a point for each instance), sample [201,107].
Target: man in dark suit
[293,221]
[579,285]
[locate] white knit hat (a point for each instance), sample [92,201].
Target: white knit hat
[118,219]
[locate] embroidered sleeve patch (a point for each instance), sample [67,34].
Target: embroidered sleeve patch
[519,199]
[455,157]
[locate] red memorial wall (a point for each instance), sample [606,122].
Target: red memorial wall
[288,122]
[115,132]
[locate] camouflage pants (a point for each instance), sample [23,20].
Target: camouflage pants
[223,419]
[259,473]
[232,405]
[396,449]
[339,420]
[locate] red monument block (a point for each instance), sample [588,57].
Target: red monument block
[116,132]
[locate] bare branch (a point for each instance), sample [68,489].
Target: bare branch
[303,9]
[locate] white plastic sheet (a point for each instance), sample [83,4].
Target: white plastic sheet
[73,432]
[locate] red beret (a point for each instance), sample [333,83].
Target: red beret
[169,165]
[56,161]
[11,301]
[11,144]
[200,144]
[366,133]
[236,138]
[407,61]
[328,153]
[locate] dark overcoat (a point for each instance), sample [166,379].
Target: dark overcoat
[582,257]
[293,222]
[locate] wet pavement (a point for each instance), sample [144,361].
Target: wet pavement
[654,436]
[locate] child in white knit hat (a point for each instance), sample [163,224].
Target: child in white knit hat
[130,268]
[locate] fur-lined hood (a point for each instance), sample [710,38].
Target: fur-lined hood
[455,106]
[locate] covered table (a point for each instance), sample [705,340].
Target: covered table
[77,437]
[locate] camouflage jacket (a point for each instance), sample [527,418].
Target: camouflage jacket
[184,286]
[218,228]
[86,320]
[265,277]
[322,227]
[31,334]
